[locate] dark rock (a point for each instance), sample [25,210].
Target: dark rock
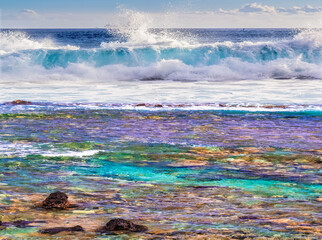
[240,237]
[20,223]
[140,105]
[0,223]
[152,79]
[20,102]
[57,200]
[119,224]
[56,230]
[158,105]
[248,217]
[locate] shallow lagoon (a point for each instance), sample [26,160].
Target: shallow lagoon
[184,174]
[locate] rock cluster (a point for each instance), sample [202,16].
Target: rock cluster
[59,200]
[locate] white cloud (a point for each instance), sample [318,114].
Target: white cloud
[234,11]
[259,8]
[296,10]
[29,13]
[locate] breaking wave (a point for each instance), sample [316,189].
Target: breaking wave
[147,57]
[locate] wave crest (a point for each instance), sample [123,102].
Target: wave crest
[14,41]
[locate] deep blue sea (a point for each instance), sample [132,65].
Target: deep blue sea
[131,65]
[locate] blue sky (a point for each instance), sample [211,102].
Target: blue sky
[185,13]
[141,5]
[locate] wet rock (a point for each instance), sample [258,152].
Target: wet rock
[158,105]
[240,237]
[56,230]
[140,105]
[151,79]
[57,200]
[119,224]
[19,223]
[248,217]
[20,102]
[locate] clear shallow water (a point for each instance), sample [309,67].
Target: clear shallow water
[183,173]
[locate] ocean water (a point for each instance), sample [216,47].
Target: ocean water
[212,133]
[141,65]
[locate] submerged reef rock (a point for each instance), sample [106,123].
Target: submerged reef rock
[22,223]
[119,224]
[57,200]
[20,102]
[19,223]
[56,230]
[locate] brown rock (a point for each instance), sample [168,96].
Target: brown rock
[319,199]
[118,224]
[56,230]
[20,102]
[57,200]
[158,105]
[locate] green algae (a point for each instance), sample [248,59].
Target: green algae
[36,116]
[160,148]
[270,188]
[77,146]
[14,232]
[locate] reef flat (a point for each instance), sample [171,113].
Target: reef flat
[183,174]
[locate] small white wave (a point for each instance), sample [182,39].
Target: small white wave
[23,150]
[312,37]
[13,41]
[72,153]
